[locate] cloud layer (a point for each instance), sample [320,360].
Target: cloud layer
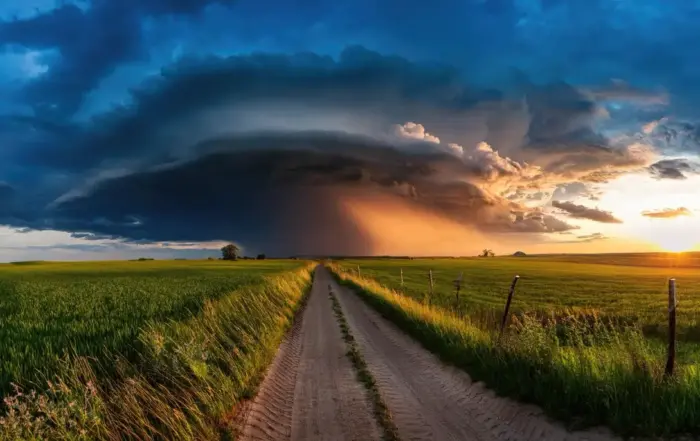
[264,148]
[196,125]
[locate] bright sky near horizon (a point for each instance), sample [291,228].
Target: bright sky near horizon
[169,127]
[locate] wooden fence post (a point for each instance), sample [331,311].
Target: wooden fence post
[401,277]
[510,298]
[458,287]
[671,361]
[359,274]
[430,276]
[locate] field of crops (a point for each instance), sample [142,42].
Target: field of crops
[658,260]
[141,349]
[50,309]
[549,285]
[586,341]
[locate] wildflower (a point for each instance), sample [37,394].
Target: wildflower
[91,388]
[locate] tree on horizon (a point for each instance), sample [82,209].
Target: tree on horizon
[230,252]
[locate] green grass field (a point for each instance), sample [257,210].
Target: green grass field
[658,260]
[48,310]
[550,285]
[586,341]
[137,332]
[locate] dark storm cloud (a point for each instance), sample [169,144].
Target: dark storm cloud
[560,111]
[265,149]
[233,148]
[676,136]
[583,212]
[562,139]
[263,198]
[363,88]
[7,200]
[674,168]
[91,43]
[361,83]
[6,196]
[642,45]
[280,192]
[6,191]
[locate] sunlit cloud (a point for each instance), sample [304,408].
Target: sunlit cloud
[667,213]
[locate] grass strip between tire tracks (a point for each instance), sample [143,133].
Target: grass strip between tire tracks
[381,411]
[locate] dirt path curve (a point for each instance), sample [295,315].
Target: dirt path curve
[311,391]
[429,400]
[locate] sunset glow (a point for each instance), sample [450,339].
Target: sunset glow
[315,132]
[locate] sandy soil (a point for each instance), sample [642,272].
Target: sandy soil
[311,391]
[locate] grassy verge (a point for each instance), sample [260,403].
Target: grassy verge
[381,411]
[598,375]
[184,383]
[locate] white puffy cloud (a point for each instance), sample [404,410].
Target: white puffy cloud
[411,130]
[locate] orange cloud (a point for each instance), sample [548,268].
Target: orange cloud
[667,213]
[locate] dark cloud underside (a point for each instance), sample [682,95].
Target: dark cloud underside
[286,193]
[674,169]
[583,212]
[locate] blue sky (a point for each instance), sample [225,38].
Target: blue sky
[169,127]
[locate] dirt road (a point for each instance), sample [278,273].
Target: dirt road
[311,392]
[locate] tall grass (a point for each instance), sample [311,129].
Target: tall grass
[584,372]
[87,308]
[183,383]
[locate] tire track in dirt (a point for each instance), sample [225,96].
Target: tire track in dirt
[310,391]
[429,400]
[270,415]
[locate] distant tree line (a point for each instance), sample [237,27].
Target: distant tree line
[232,252]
